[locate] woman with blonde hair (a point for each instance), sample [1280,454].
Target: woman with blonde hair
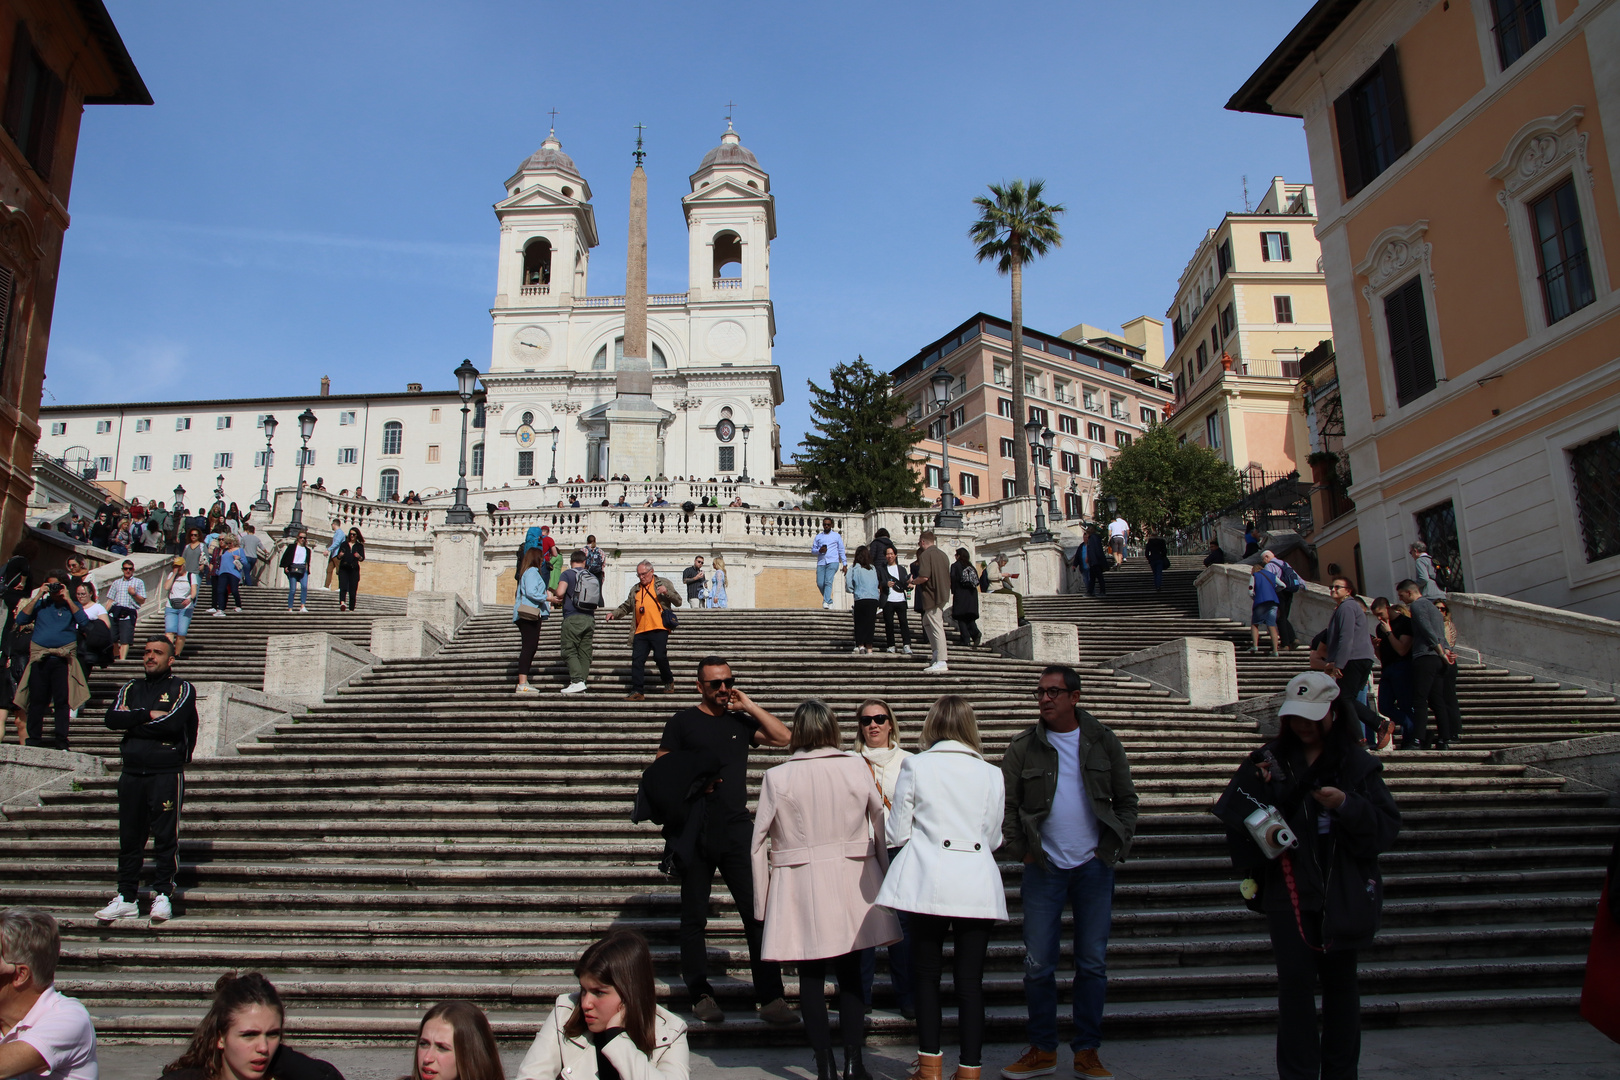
[717,584]
[879,734]
[614,1025]
[948,804]
[454,1042]
[815,895]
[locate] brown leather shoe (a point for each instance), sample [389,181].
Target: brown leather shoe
[927,1066]
[1034,1062]
[669,688]
[1086,1064]
[967,1072]
[635,697]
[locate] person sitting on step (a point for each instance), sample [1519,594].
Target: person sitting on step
[454,1042]
[240,1038]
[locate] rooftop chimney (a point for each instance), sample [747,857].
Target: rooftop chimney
[413,388]
[326,386]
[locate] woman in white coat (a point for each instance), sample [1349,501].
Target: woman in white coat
[614,1021]
[948,804]
[879,734]
[819,857]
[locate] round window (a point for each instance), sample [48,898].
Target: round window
[528,418]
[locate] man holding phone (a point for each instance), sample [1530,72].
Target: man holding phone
[828,548]
[53,678]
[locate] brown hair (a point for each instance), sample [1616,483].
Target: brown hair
[232,993]
[814,726]
[532,557]
[623,961]
[951,717]
[477,1056]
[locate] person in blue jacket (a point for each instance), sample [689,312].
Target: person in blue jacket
[1263,584]
[53,678]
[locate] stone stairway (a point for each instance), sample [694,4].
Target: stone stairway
[426,834]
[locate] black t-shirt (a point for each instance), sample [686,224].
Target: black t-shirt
[728,737]
[1399,626]
[693,586]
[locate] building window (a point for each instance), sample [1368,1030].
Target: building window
[931,476]
[222,423]
[103,427]
[936,429]
[1212,431]
[305,456]
[222,460]
[1410,355]
[1098,466]
[1596,469]
[261,458]
[345,419]
[1073,505]
[1215,341]
[58,427]
[1149,418]
[1228,320]
[478,413]
[1116,407]
[348,455]
[477,466]
[1437,527]
[393,437]
[1030,387]
[1122,438]
[1096,432]
[1519,25]
[967,485]
[1088,399]
[182,462]
[1009,489]
[1371,119]
[143,425]
[388,485]
[599,361]
[1284,308]
[103,465]
[1561,258]
[433,454]
[1223,258]
[1201,357]
[141,463]
[1071,461]
[182,423]
[1006,448]
[1004,407]
[433,416]
[728,458]
[1037,415]
[1274,247]
[33,104]
[1068,425]
[1001,375]
[525,463]
[958,416]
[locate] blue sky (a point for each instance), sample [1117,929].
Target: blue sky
[311,193]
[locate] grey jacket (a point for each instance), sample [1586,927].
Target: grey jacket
[1428,629]
[1348,636]
[1029,772]
[1426,578]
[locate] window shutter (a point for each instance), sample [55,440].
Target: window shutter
[1409,351]
[1389,69]
[22,55]
[6,284]
[1344,116]
[1265,249]
[1285,252]
[44,138]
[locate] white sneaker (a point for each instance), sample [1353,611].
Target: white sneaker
[856,649]
[574,688]
[826,607]
[906,650]
[935,668]
[302,610]
[525,688]
[221,614]
[162,911]
[119,909]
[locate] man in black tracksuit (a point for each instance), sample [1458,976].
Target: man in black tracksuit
[158,716]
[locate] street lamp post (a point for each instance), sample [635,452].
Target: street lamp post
[263,505]
[949,517]
[219,488]
[743,479]
[555,431]
[306,428]
[1032,431]
[1055,511]
[179,506]
[466,384]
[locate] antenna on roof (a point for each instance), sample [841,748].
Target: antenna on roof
[1246,206]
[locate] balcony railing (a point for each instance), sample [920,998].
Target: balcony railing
[1567,287]
[654,300]
[536,290]
[728,283]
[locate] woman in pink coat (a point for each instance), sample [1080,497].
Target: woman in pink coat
[819,859]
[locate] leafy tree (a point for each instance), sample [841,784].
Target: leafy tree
[858,457]
[1014,228]
[1164,485]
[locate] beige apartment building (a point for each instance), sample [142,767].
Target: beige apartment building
[1251,303]
[1094,396]
[1467,159]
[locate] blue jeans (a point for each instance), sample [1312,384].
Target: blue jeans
[299,586]
[1395,695]
[826,574]
[1089,889]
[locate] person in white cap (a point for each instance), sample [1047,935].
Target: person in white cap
[1322,893]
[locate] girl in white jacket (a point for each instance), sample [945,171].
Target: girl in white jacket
[614,1021]
[947,811]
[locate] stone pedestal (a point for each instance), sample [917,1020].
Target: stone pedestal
[405,639]
[1202,670]
[229,714]
[305,668]
[445,611]
[25,771]
[1260,711]
[1043,574]
[998,613]
[1042,642]
[458,562]
[1591,764]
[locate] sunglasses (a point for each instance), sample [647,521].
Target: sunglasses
[875,719]
[1441,608]
[1050,692]
[715,684]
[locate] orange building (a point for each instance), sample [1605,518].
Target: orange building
[59,56]
[1466,157]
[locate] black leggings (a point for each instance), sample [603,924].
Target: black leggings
[529,632]
[927,952]
[1305,1050]
[813,1001]
[348,584]
[892,612]
[865,621]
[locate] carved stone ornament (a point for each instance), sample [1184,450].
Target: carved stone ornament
[493,408]
[762,401]
[565,406]
[687,404]
[18,238]
[1544,145]
[1393,253]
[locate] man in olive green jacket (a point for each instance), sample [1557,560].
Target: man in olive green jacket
[1070,816]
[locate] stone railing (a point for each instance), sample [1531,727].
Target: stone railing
[653,300]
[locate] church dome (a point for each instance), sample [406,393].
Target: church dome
[551,156]
[731,151]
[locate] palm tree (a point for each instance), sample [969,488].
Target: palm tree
[1014,228]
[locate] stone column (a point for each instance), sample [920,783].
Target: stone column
[1044,569]
[458,562]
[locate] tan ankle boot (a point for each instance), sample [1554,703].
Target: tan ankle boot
[967,1072]
[927,1066]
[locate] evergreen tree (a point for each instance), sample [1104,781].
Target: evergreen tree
[858,457]
[1165,485]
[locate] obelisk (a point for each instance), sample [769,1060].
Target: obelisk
[633,418]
